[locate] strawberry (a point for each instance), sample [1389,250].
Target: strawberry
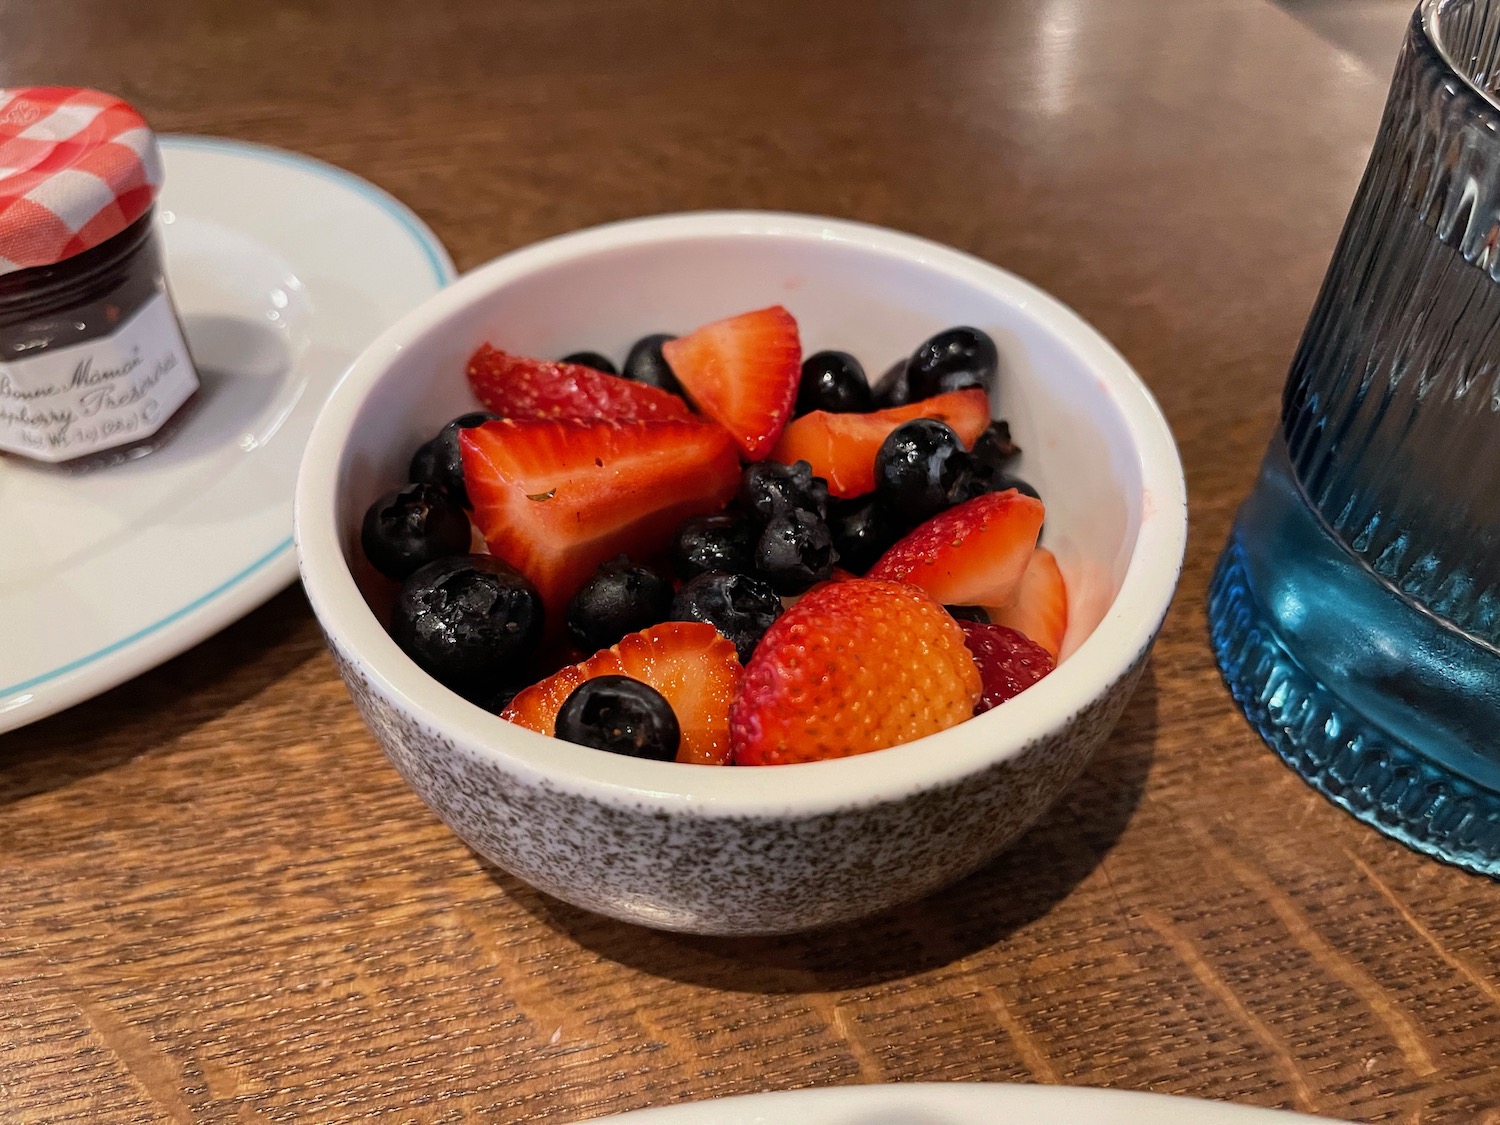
[1040,606]
[973,554]
[516,387]
[694,667]
[556,499]
[1008,662]
[854,666]
[743,373]
[841,448]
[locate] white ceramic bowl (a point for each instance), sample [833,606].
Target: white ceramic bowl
[783,848]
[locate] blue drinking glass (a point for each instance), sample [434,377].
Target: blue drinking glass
[1355,611]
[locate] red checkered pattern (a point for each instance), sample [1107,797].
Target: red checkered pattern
[76,168]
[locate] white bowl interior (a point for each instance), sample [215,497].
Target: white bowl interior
[1094,444]
[845,296]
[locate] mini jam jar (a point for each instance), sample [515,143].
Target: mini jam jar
[93,364]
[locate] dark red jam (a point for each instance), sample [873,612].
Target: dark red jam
[94,369]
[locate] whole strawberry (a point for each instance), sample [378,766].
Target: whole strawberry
[854,666]
[1008,661]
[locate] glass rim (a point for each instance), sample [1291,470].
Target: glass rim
[1425,33]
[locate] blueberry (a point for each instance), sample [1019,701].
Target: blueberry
[591,359]
[994,447]
[918,463]
[720,542]
[833,381]
[438,461]
[795,550]
[620,598]
[740,607]
[969,613]
[892,388]
[769,489]
[1022,486]
[472,623]
[646,364]
[494,697]
[952,360]
[861,531]
[411,527]
[621,715]
[976,477]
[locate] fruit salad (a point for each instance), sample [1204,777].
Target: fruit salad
[724,553]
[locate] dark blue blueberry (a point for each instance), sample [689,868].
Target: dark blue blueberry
[1022,486]
[438,461]
[646,364]
[994,447]
[473,623]
[494,697]
[968,613]
[591,359]
[740,607]
[835,382]
[620,598]
[795,550]
[976,478]
[918,463]
[411,527]
[621,715]
[892,388]
[719,542]
[952,360]
[769,489]
[861,532]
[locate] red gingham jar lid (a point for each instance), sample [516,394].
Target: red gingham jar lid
[76,168]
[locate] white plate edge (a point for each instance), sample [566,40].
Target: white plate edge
[263,577]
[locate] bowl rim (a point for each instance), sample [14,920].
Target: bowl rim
[1113,648]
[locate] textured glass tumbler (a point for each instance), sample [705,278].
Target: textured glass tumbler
[1355,611]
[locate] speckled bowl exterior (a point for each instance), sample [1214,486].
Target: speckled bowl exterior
[775,849]
[695,870]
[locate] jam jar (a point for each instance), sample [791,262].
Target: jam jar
[93,364]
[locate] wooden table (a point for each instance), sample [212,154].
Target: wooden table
[218,900]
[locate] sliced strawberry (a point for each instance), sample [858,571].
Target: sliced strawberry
[555,499]
[835,676]
[1040,606]
[694,667]
[742,372]
[1008,662]
[841,448]
[516,387]
[973,554]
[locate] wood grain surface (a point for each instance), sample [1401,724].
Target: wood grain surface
[218,901]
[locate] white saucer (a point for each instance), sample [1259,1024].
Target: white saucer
[957,1103]
[283,269]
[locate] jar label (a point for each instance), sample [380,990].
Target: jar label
[65,402]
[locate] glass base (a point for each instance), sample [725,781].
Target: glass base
[1382,780]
